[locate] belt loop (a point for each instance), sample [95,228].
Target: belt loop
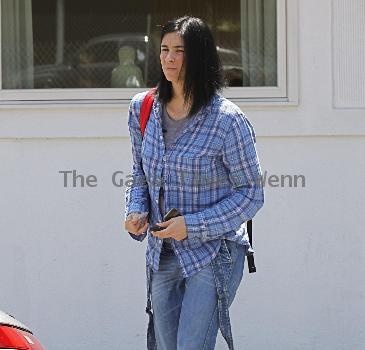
[223,296]
[151,339]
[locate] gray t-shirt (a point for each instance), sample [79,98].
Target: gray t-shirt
[171,128]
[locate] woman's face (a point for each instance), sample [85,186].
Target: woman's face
[172,57]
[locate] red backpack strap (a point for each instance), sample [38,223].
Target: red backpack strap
[146,107]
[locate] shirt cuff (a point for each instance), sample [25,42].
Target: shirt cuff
[136,208]
[139,238]
[196,226]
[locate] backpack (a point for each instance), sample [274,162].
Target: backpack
[143,119]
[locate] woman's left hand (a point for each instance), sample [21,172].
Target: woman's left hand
[174,228]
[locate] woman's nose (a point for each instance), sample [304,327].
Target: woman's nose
[170,57]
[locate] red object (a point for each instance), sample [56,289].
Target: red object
[14,338]
[146,107]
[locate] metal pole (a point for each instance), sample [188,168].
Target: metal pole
[60,23]
[147,47]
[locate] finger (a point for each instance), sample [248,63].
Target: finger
[164,223]
[144,228]
[160,224]
[140,224]
[128,226]
[162,234]
[131,227]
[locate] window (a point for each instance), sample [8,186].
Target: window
[90,49]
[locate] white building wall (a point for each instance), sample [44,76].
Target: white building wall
[70,271]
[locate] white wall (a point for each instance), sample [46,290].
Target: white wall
[70,272]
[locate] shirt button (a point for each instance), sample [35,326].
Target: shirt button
[161,137]
[164,158]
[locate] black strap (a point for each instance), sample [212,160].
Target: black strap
[249,231]
[250,257]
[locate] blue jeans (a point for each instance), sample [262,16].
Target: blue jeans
[186,309]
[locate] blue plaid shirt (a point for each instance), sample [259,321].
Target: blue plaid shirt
[211,174]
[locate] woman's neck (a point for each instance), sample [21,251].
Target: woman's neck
[178,91]
[177,108]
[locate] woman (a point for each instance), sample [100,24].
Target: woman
[197,155]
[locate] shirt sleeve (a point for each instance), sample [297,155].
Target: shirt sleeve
[136,195]
[247,196]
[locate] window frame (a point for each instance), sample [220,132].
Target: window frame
[285,93]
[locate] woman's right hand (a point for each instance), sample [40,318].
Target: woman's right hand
[136,223]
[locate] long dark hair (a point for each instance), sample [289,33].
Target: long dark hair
[203,69]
